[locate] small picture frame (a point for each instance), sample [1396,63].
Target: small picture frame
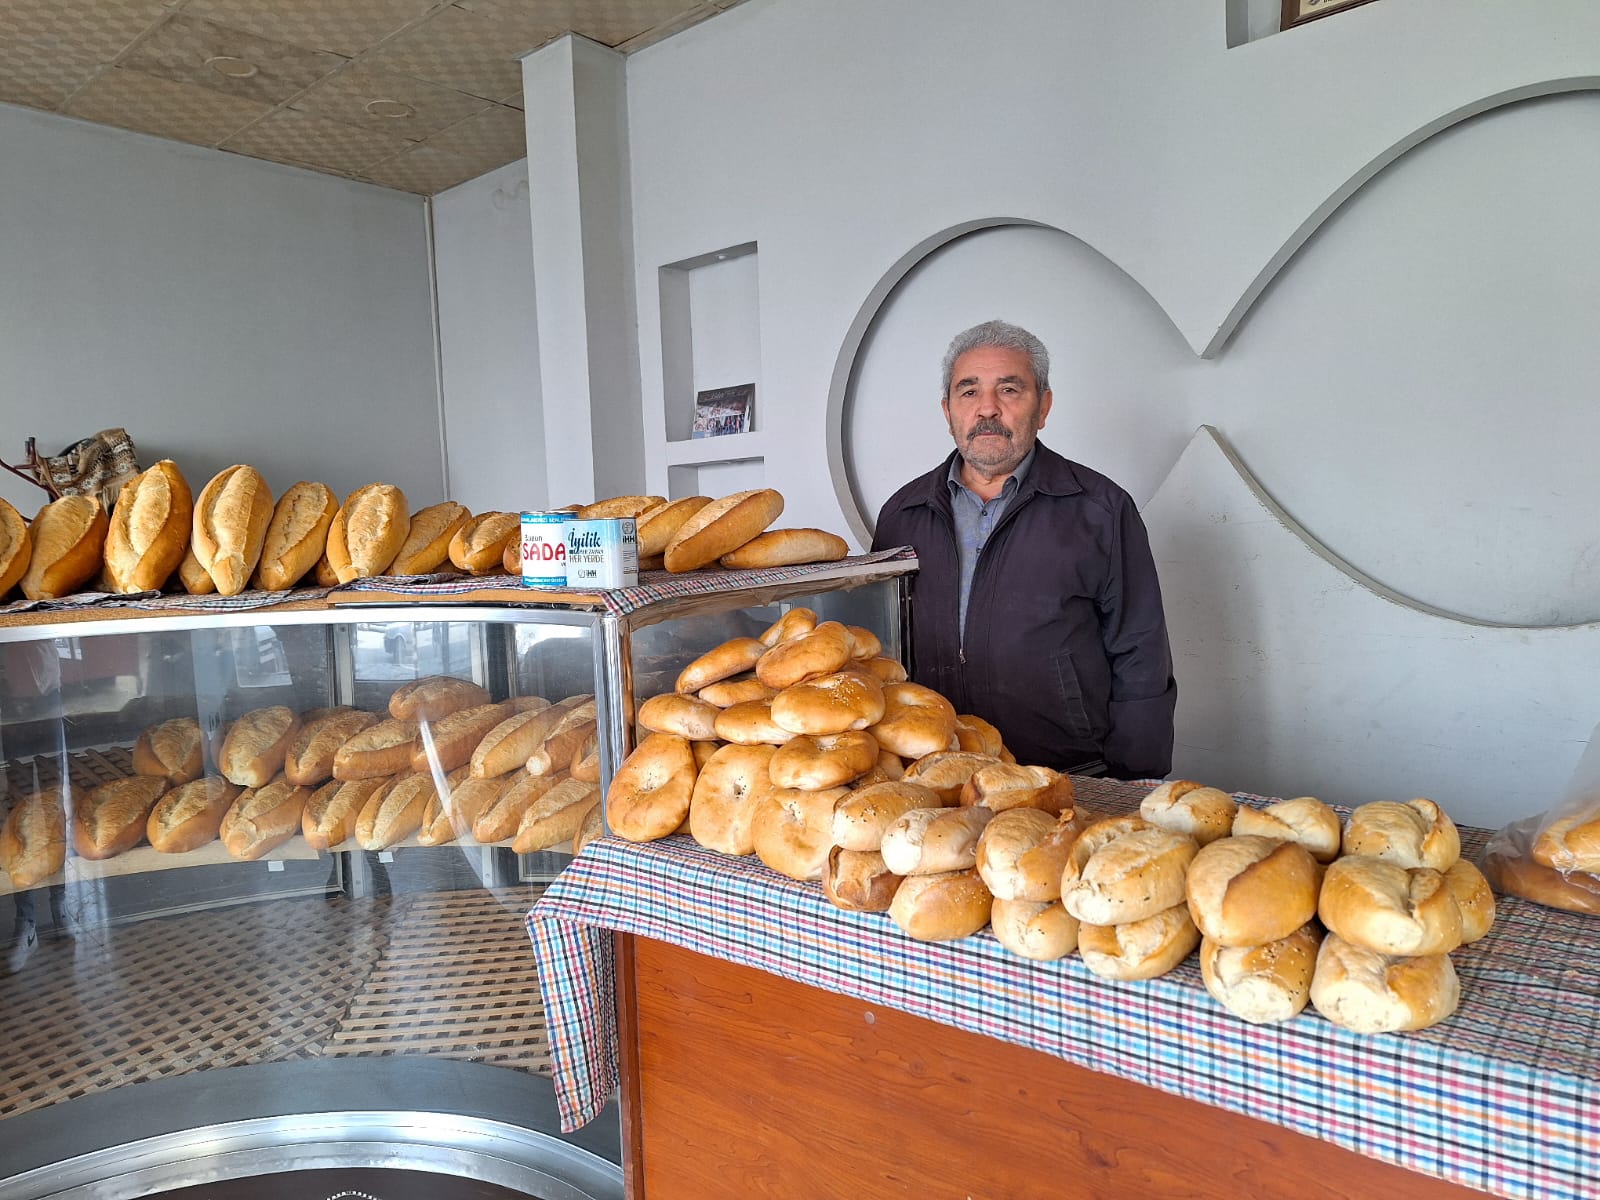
[1298,12]
[725,410]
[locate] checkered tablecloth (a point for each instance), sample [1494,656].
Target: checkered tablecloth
[1503,1097]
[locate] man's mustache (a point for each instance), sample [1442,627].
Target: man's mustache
[988,425]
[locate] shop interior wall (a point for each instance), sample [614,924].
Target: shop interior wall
[1403,366]
[220,308]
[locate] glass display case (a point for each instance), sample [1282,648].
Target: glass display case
[190,1015]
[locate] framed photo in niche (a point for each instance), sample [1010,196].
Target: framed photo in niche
[720,411]
[1298,12]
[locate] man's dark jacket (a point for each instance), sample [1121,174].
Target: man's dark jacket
[1066,645]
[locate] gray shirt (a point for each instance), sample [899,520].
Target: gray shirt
[976,519]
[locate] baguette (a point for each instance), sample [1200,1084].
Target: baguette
[508,745]
[296,536]
[173,749]
[586,760]
[382,749]
[593,826]
[331,812]
[367,531]
[257,744]
[451,812]
[448,743]
[500,819]
[149,530]
[231,516]
[786,547]
[16,547]
[427,544]
[33,840]
[657,526]
[563,742]
[190,815]
[619,506]
[263,818]
[555,816]
[395,813]
[196,580]
[110,819]
[720,528]
[480,544]
[433,697]
[68,536]
[309,759]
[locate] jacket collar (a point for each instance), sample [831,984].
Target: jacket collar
[1050,475]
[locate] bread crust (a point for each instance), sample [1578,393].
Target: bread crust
[721,527]
[427,542]
[1249,891]
[190,815]
[173,749]
[149,529]
[257,744]
[942,907]
[367,532]
[263,818]
[231,516]
[297,535]
[947,772]
[1382,906]
[1365,991]
[16,547]
[1262,984]
[786,547]
[33,840]
[381,749]
[68,536]
[1023,852]
[434,697]
[309,760]
[619,506]
[479,545]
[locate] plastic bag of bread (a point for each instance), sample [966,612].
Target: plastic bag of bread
[1554,858]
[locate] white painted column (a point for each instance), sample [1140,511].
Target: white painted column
[576,100]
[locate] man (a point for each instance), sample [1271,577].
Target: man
[1037,605]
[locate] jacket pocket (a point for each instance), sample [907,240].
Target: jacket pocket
[1074,715]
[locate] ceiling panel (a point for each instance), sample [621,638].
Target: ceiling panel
[97,29]
[611,22]
[377,100]
[175,110]
[188,50]
[424,169]
[41,81]
[295,137]
[460,50]
[496,135]
[345,27]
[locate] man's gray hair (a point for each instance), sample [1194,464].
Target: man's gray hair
[1000,333]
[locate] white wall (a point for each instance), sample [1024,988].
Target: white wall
[489,343]
[219,308]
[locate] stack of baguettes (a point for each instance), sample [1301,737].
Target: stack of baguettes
[523,770]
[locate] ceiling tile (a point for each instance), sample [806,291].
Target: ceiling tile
[38,80]
[514,100]
[423,169]
[342,26]
[295,137]
[460,50]
[96,29]
[495,136]
[182,111]
[659,33]
[610,22]
[181,48]
[345,96]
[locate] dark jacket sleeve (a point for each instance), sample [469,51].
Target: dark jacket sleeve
[1133,627]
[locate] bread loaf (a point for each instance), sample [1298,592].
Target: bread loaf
[1570,843]
[196,580]
[1364,991]
[480,544]
[576,726]
[1305,820]
[16,547]
[1129,878]
[149,530]
[500,819]
[1417,833]
[453,811]
[741,689]
[686,716]
[826,649]
[1473,897]
[109,819]
[1023,852]
[973,734]
[816,763]
[310,756]
[657,527]
[720,528]
[1041,930]
[554,817]
[231,516]
[592,827]
[433,697]
[297,535]
[1141,949]
[190,815]
[1389,908]
[619,506]
[946,773]
[650,793]
[33,840]
[942,907]
[1262,984]
[67,536]
[332,811]
[257,744]
[382,749]
[750,723]
[1249,891]
[427,543]
[1184,806]
[783,547]
[930,841]
[1573,891]
[448,743]
[733,657]
[858,881]
[795,623]
[395,813]
[173,750]
[790,830]
[1002,786]
[730,785]
[506,747]
[367,532]
[861,818]
[836,703]
[263,818]
[323,573]
[586,760]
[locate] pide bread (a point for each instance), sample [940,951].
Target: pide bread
[1417,833]
[650,793]
[331,812]
[928,841]
[479,546]
[941,908]
[829,704]
[433,697]
[1474,898]
[916,720]
[506,747]
[1248,891]
[173,749]
[797,622]
[257,744]
[1023,852]
[68,536]
[33,840]
[1570,843]
[190,815]
[731,782]
[231,516]
[619,506]
[720,528]
[382,749]
[196,580]
[309,759]
[1002,786]
[368,531]
[686,716]
[110,819]
[1262,984]
[1392,909]
[394,813]
[817,763]
[16,547]
[790,830]
[448,743]
[1184,806]
[858,880]
[658,526]
[784,547]
[861,818]
[1365,991]
[947,772]
[1140,949]
[426,547]
[725,693]
[554,817]
[1127,878]
[263,818]
[733,657]
[750,723]
[297,535]
[149,529]
[1305,819]
[1041,930]
[826,649]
